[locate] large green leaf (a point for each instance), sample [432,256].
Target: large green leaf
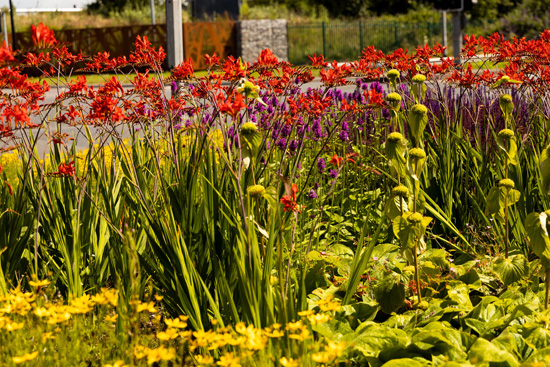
[509,147]
[403,362]
[483,351]
[459,292]
[496,201]
[536,228]
[390,293]
[545,169]
[372,338]
[512,269]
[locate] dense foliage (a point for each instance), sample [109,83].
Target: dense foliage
[402,221]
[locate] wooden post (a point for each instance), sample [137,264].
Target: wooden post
[152,5]
[444,31]
[174,33]
[457,36]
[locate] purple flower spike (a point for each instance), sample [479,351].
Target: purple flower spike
[321,165]
[312,194]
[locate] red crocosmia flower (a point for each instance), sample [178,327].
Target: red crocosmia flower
[9,188]
[6,53]
[65,170]
[266,59]
[290,202]
[318,61]
[211,60]
[183,71]
[294,190]
[232,107]
[42,36]
[335,160]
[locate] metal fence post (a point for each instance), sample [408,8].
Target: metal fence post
[360,37]
[395,35]
[324,40]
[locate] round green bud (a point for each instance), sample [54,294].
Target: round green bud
[505,78]
[419,109]
[417,153]
[393,74]
[505,134]
[395,138]
[393,97]
[255,190]
[505,98]
[419,78]
[401,191]
[249,128]
[415,218]
[509,184]
[422,305]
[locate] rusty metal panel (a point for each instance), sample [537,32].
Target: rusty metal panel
[201,38]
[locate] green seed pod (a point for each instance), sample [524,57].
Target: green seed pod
[395,138]
[505,134]
[255,191]
[419,79]
[417,153]
[418,119]
[415,218]
[401,191]
[506,105]
[509,184]
[249,128]
[394,100]
[393,74]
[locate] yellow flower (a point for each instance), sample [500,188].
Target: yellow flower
[292,326]
[288,362]
[160,354]
[47,336]
[12,326]
[146,307]
[140,352]
[25,358]
[228,360]
[204,359]
[323,357]
[39,283]
[303,335]
[335,348]
[306,313]
[112,318]
[42,312]
[169,334]
[116,364]
[177,323]
[319,318]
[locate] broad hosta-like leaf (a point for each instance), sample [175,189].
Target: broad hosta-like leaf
[371,338]
[483,351]
[459,292]
[390,293]
[535,226]
[409,233]
[545,170]
[403,362]
[496,200]
[537,338]
[512,269]
[393,207]
[509,147]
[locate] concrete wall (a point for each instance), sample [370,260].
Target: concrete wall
[254,36]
